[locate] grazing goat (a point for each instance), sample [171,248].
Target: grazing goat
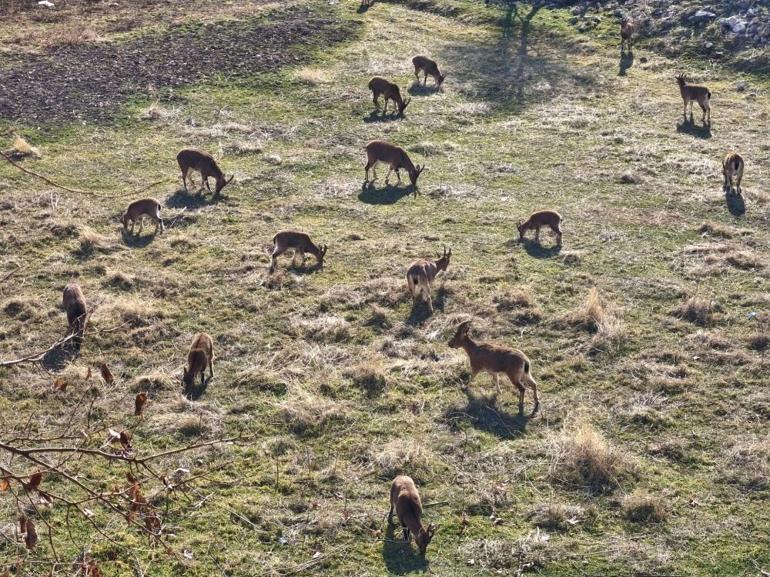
[405,501]
[692,93]
[732,167]
[627,29]
[538,219]
[191,159]
[495,359]
[429,68]
[200,356]
[301,244]
[421,273]
[381,87]
[394,156]
[74,304]
[138,209]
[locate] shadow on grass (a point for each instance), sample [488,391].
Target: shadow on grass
[363,7]
[420,312]
[688,126]
[536,250]
[137,240]
[197,389]
[418,89]
[57,358]
[377,116]
[481,414]
[735,204]
[626,61]
[388,194]
[183,199]
[399,555]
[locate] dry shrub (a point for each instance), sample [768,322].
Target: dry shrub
[156,112]
[260,379]
[528,553]
[760,342]
[715,229]
[312,417]
[243,148]
[328,328]
[22,309]
[518,302]
[312,76]
[558,516]
[134,311]
[91,242]
[582,457]
[402,457]
[642,507]
[191,426]
[696,309]
[119,280]
[591,314]
[22,149]
[748,463]
[378,318]
[155,382]
[369,378]
[610,335]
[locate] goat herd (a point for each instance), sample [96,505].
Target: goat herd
[404,497]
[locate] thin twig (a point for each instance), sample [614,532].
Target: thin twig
[37,356]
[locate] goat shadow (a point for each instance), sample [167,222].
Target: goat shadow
[419,89]
[388,194]
[481,414]
[735,203]
[420,312]
[138,240]
[400,556]
[362,8]
[536,250]
[377,116]
[688,126]
[197,389]
[58,357]
[183,199]
[626,61]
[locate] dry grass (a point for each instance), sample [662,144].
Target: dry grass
[558,516]
[643,507]
[697,310]
[22,149]
[591,314]
[404,457]
[748,463]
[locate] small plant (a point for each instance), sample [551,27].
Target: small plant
[642,507]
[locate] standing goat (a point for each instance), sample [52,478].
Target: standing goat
[301,244]
[405,501]
[191,159]
[138,209]
[429,68]
[421,273]
[495,359]
[200,356]
[74,304]
[395,157]
[536,220]
[627,29]
[732,167]
[692,93]
[381,87]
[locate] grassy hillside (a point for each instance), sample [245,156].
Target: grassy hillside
[647,331]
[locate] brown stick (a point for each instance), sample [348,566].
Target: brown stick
[37,356]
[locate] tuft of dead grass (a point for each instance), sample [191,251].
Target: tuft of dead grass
[558,516]
[368,377]
[643,507]
[591,314]
[403,457]
[697,310]
[747,463]
[22,149]
[91,241]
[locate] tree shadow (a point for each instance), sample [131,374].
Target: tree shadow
[197,389]
[536,250]
[399,556]
[735,204]
[481,414]
[183,199]
[58,357]
[388,194]
[137,240]
[376,116]
[419,89]
[688,126]
[626,61]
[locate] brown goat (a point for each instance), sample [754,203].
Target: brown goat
[301,244]
[539,219]
[429,68]
[191,159]
[405,501]
[394,156]
[693,93]
[495,359]
[421,273]
[138,209]
[381,87]
[627,29]
[732,167]
[200,356]
[74,304]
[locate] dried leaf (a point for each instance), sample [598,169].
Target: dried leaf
[60,384]
[125,440]
[107,374]
[22,524]
[34,481]
[88,373]
[141,399]
[31,538]
[4,484]
[130,477]
[90,569]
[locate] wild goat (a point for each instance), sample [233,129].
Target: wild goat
[627,29]
[495,359]
[138,209]
[421,273]
[381,87]
[301,244]
[539,219]
[691,93]
[732,167]
[429,68]
[405,500]
[394,156]
[191,159]
[200,356]
[74,304]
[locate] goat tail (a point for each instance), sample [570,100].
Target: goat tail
[709,93]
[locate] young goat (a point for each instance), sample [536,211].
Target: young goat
[421,273]
[692,93]
[732,167]
[429,68]
[200,356]
[395,157]
[138,209]
[405,500]
[381,87]
[301,244]
[74,304]
[627,29]
[539,219]
[495,359]
[191,159]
